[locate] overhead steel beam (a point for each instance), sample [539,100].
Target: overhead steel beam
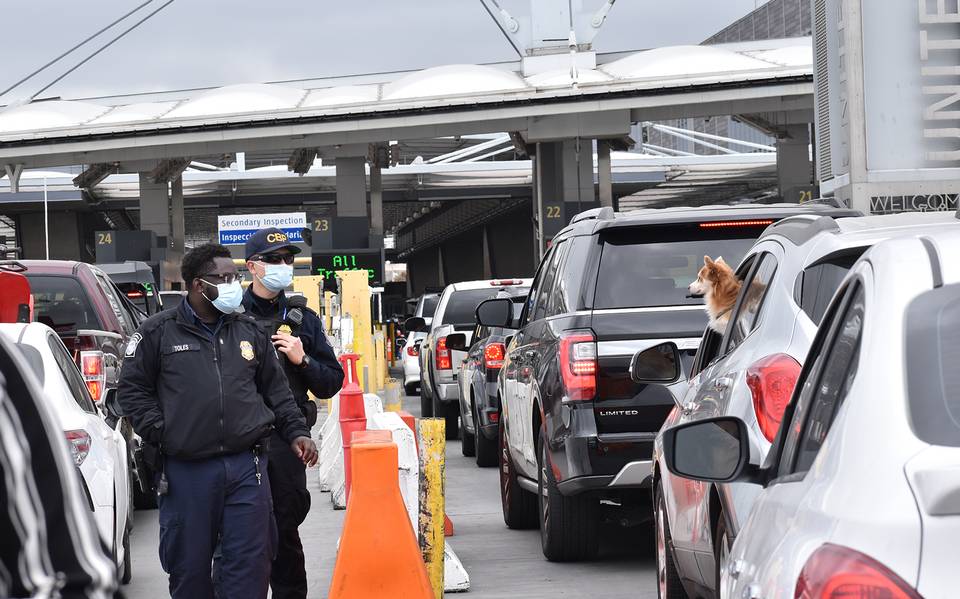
[301,161]
[169,169]
[94,175]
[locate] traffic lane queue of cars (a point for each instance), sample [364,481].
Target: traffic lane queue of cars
[456,312]
[857,496]
[576,433]
[410,352]
[99,452]
[478,377]
[789,276]
[95,320]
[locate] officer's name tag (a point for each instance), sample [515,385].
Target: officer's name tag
[179,348]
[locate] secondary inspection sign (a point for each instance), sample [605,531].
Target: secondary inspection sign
[237,229]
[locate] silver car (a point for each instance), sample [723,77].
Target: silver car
[858,496]
[789,277]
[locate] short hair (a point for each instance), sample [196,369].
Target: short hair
[199,261]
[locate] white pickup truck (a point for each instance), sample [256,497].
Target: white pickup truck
[439,390]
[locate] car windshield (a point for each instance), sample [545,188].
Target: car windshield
[462,305]
[653,266]
[61,304]
[429,305]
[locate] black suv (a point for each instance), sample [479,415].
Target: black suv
[575,429]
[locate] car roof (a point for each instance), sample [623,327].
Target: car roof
[128,272]
[64,267]
[489,284]
[593,221]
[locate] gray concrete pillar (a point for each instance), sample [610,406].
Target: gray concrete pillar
[794,167]
[487,262]
[351,186]
[604,173]
[154,207]
[376,201]
[577,175]
[177,226]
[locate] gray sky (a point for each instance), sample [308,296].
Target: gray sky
[199,43]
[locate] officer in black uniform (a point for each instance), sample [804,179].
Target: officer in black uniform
[204,384]
[311,365]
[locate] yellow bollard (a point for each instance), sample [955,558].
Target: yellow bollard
[432,440]
[355,302]
[391,396]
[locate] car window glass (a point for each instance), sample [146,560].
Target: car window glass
[839,371]
[460,309]
[752,294]
[115,303]
[543,296]
[568,290]
[428,305]
[61,303]
[536,287]
[817,283]
[71,374]
[838,342]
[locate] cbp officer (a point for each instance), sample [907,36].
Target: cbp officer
[311,365]
[204,384]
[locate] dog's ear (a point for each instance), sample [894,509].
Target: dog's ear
[721,261]
[707,261]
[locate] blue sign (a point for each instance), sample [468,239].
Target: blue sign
[240,236]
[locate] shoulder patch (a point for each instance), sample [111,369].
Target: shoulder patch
[132,345]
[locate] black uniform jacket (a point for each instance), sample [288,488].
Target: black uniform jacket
[323,376]
[200,395]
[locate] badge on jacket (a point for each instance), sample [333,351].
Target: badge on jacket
[285,329]
[246,350]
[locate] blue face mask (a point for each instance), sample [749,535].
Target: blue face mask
[229,296]
[277,277]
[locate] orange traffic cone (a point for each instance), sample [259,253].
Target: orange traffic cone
[379,555]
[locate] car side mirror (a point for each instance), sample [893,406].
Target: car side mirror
[457,341]
[715,450]
[415,325]
[658,365]
[495,313]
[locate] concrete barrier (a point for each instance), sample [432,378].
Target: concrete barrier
[372,404]
[408,461]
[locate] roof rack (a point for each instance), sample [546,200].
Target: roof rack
[801,228]
[828,201]
[604,213]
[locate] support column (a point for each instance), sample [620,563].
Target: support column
[794,167]
[605,173]
[154,207]
[376,203]
[351,186]
[487,263]
[177,226]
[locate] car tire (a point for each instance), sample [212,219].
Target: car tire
[127,574]
[468,445]
[410,389]
[668,579]
[569,525]
[519,505]
[451,412]
[721,545]
[426,403]
[485,449]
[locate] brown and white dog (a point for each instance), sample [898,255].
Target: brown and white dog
[718,285]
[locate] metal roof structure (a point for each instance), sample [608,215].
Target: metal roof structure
[752,77]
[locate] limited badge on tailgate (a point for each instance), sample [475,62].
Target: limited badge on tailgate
[246,350]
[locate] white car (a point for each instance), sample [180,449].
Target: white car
[410,352]
[859,491]
[99,451]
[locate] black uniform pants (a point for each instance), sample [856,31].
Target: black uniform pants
[291,502]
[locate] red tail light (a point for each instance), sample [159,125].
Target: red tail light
[493,355]
[578,364]
[79,442]
[835,572]
[135,294]
[413,350]
[443,355]
[91,367]
[737,223]
[505,282]
[771,382]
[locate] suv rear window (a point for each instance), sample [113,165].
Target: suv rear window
[653,266]
[462,306]
[818,282]
[429,305]
[62,304]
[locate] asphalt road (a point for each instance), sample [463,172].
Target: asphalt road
[502,563]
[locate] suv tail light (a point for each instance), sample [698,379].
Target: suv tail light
[493,355]
[413,350]
[835,572]
[442,357]
[504,282]
[79,442]
[91,367]
[578,364]
[771,382]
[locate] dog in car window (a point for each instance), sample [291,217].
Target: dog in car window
[719,286]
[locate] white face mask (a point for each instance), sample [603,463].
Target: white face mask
[229,296]
[276,277]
